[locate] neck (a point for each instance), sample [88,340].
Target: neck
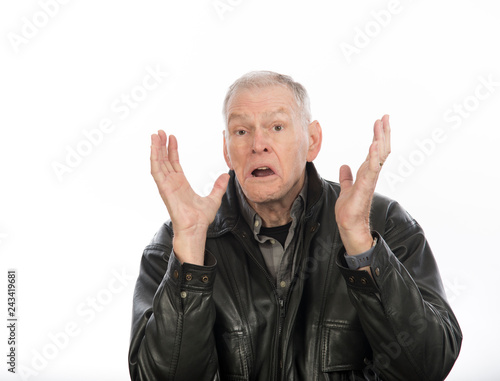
[278,212]
[274,215]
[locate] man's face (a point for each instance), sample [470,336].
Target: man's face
[266,144]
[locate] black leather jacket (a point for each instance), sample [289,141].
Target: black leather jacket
[334,324]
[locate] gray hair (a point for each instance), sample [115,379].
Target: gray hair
[261,79]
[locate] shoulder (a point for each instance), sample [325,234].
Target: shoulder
[157,252]
[164,235]
[388,217]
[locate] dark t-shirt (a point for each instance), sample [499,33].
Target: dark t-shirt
[279,233]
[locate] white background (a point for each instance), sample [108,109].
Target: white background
[76,238]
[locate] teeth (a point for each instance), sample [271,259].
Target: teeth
[262,168]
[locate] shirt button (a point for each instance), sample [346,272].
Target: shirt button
[273,241]
[364,281]
[189,276]
[256,223]
[283,284]
[204,278]
[377,271]
[176,274]
[184,294]
[351,279]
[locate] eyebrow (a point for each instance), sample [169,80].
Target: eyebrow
[267,114]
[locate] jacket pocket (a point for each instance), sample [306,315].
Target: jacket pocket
[343,347]
[232,351]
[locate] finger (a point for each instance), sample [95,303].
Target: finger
[219,188]
[374,160]
[173,153]
[156,169]
[377,134]
[387,134]
[163,143]
[165,164]
[374,130]
[345,178]
[378,131]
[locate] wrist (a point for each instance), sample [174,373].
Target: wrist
[361,261]
[356,243]
[190,248]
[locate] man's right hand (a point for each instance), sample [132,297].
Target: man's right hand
[190,214]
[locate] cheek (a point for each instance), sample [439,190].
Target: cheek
[294,158]
[295,151]
[234,155]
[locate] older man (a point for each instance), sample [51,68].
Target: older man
[315,280]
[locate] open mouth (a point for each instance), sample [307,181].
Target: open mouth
[262,172]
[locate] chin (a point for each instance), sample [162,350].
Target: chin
[263,194]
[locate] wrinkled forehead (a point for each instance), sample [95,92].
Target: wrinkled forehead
[245,117]
[261,102]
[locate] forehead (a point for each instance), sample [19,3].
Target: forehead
[266,101]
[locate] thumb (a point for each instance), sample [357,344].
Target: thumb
[345,178]
[219,188]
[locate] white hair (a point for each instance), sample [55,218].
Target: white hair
[261,79]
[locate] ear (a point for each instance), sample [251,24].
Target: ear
[315,138]
[226,153]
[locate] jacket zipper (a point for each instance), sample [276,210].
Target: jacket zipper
[281,303]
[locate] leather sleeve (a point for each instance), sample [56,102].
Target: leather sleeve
[411,328]
[173,317]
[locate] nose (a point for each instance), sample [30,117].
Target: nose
[260,142]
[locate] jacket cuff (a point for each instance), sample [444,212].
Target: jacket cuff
[188,276]
[360,279]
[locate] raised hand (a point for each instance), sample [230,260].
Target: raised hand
[190,214]
[352,210]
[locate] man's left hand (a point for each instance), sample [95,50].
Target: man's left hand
[352,209]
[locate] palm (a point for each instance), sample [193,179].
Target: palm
[352,209]
[188,211]
[353,205]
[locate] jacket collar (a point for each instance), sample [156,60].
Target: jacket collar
[229,213]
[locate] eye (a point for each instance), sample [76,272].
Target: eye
[278,127]
[240,132]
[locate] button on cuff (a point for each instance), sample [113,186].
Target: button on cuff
[188,276]
[359,279]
